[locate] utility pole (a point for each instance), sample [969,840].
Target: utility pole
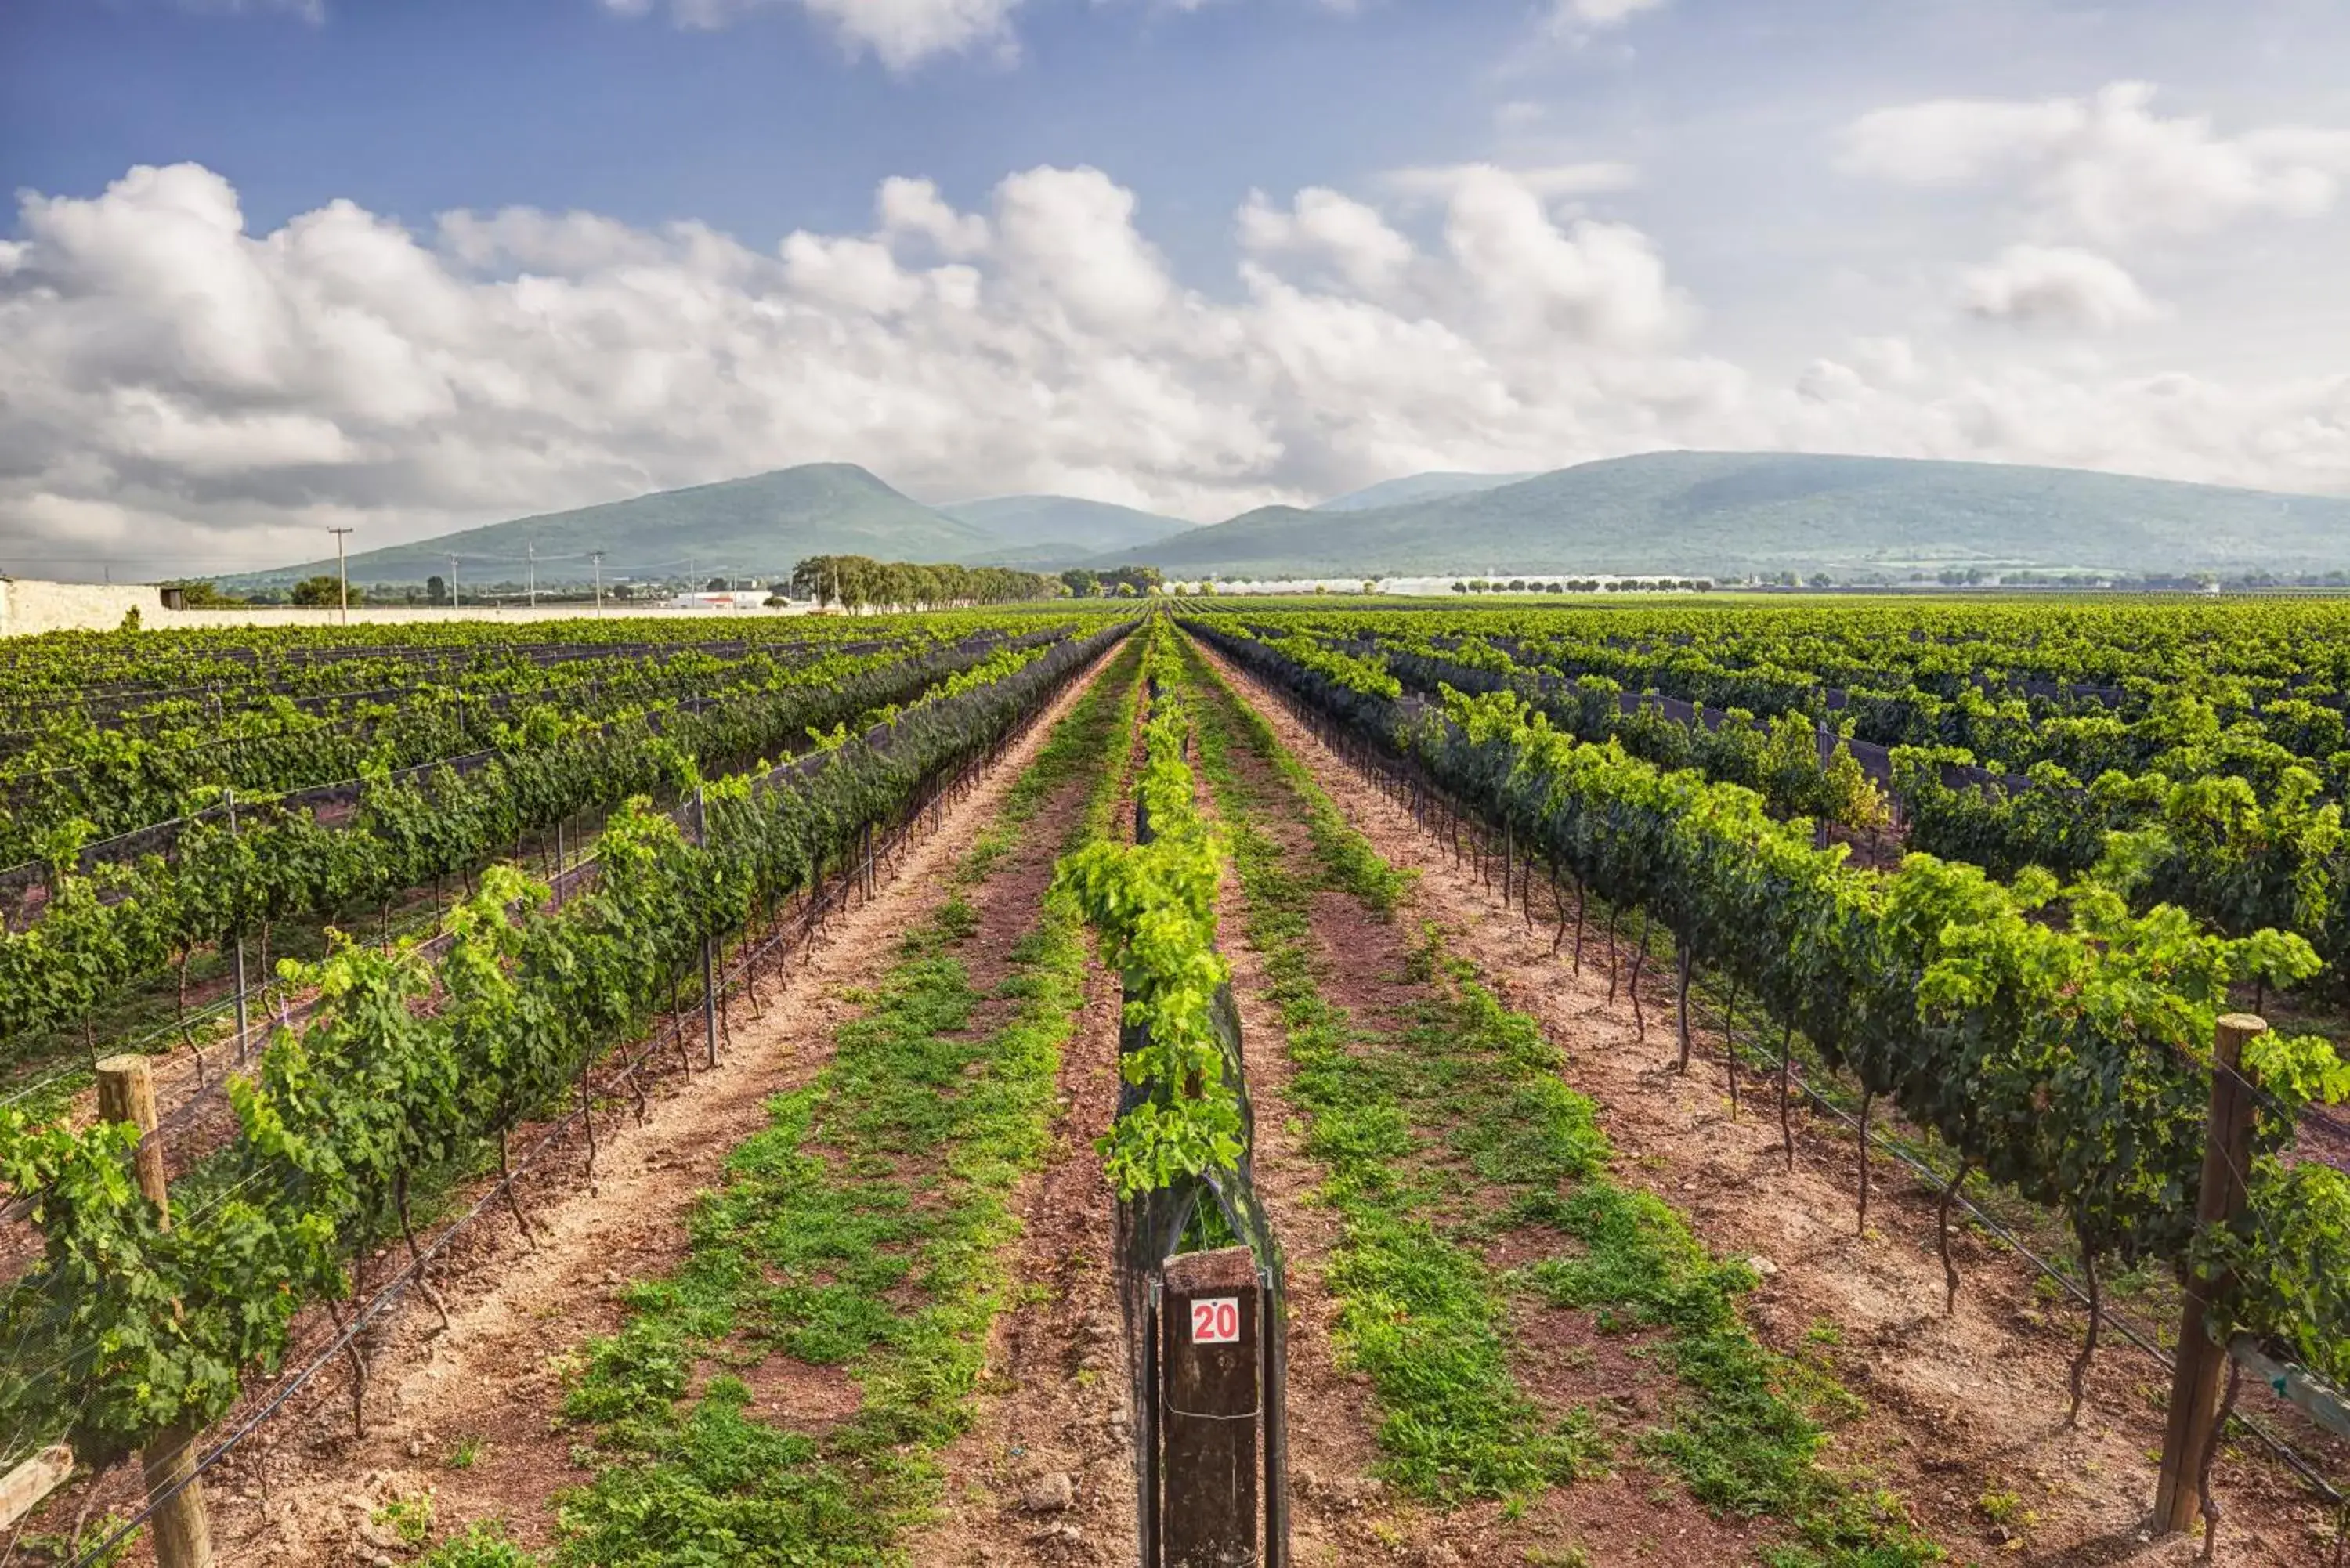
[597,556]
[455,598]
[342,574]
[530,548]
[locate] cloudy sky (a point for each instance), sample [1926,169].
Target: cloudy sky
[277,265]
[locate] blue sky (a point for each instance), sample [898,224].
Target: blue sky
[411,266]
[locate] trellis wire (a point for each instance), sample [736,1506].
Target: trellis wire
[1367,759]
[957,778]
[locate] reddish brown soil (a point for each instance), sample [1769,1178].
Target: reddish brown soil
[1957,1409]
[1053,1401]
[302,1489]
[1332,1421]
[1626,1514]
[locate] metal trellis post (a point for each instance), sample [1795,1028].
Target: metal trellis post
[243,1022]
[708,944]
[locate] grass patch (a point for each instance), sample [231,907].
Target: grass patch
[1459,1127]
[481,1545]
[1421,1313]
[865,1227]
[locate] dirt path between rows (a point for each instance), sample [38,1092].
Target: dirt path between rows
[1332,1419]
[1964,1413]
[470,1415]
[1361,963]
[1046,1474]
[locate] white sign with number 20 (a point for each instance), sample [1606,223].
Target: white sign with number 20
[1216,1320]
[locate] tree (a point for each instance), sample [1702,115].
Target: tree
[716,586]
[1142,579]
[436,591]
[860,582]
[824,578]
[1082,583]
[1370,585]
[197,593]
[322,591]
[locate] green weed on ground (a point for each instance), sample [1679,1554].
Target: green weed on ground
[865,1227]
[1459,1127]
[1421,1313]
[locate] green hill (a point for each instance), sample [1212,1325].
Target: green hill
[745,527]
[1720,513]
[1417,487]
[1032,531]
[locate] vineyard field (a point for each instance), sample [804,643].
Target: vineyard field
[1702,1083]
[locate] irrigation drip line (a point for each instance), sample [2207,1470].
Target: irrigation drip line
[494,705]
[1366,761]
[2130,1331]
[37,1085]
[956,778]
[230,701]
[387,1294]
[563,885]
[441,658]
[311,796]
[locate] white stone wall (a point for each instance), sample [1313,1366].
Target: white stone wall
[28,606]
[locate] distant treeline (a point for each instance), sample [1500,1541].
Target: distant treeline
[1128,581]
[860,582]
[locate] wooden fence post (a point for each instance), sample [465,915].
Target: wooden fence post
[1212,1337]
[126,1093]
[2196,1377]
[183,1536]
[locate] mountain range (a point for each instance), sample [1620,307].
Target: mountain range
[753,527]
[1416,487]
[1041,532]
[1738,514]
[1675,512]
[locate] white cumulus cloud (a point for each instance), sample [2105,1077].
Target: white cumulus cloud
[1351,238]
[311,11]
[2057,285]
[2107,166]
[1577,16]
[1553,182]
[901,34]
[174,384]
